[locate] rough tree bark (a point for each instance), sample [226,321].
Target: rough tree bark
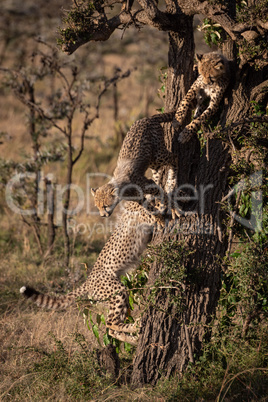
[172,334]
[171,338]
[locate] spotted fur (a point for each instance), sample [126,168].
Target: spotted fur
[211,83]
[120,254]
[143,147]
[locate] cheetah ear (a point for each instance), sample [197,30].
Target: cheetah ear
[199,56]
[114,191]
[93,191]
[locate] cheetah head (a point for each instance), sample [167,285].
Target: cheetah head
[106,198]
[212,66]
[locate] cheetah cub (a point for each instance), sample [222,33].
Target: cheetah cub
[120,254]
[211,83]
[143,147]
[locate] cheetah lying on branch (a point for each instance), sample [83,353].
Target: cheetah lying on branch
[211,83]
[143,147]
[120,254]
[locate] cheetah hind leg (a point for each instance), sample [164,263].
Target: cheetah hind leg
[170,186]
[117,314]
[123,337]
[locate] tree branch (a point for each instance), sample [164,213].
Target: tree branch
[244,121]
[99,28]
[216,12]
[219,14]
[88,121]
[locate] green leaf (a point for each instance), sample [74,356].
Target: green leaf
[106,339]
[127,347]
[131,301]
[235,255]
[89,327]
[214,38]
[90,318]
[95,330]
[102,319]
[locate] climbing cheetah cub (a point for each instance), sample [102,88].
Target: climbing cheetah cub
[143,147]
[211,83]
[120,254]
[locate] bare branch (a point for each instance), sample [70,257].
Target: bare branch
[41,112]
[255,119]
[87,121]
[82,136]
[21,96]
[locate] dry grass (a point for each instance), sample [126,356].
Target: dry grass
[25,330]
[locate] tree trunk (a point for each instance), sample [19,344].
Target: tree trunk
[172,333]
[66,202]
[50,216]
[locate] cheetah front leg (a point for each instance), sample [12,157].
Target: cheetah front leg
[165,202]
[171,183]
[155,176]
[185,104]
[166,158]
[155,199]
[192,128]
[201,107]
[170,186]
[152,208]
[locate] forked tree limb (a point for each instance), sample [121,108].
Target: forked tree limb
[100,29]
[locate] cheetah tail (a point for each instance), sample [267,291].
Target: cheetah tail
[165,117]
[47,301]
